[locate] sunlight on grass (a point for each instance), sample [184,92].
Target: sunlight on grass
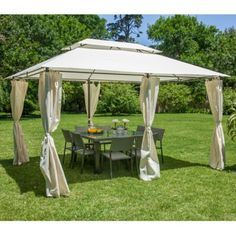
[187,190]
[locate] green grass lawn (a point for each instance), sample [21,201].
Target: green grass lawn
[187,190]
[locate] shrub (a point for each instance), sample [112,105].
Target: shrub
[4,96]
[73,97]
[231,125]
[118,98]
[29,107]
[229,100]
[174,98]
[199,102]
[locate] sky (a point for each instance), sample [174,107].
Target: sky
[220,21]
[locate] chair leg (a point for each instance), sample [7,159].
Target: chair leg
[137,164]
[74,159]
[82,164]
[131,166]
[111,168]
[162,159]
[63,159]
[71,158]
[102,160]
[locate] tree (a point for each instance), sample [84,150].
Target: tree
[223,53]
[183,37]
[124,27]
[29,39]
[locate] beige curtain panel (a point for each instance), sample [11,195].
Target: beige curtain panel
[18,92]
[50,90]
[215,97]
[149,164]
[94,96]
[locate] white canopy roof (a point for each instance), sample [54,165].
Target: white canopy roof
[112,45]
[115,65]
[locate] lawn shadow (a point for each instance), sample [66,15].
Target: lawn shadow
[29,178]
[5,116]
[8,116]
[173,163]
[73,175]
[231,168]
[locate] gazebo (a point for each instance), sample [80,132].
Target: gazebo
[91,61]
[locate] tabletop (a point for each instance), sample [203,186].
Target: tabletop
[108,135]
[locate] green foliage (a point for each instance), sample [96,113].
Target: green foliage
[174,98]
[125,27]
[229,100]
[223,52]
[183,37]
[29,107]
[73,97]
[231,126]
[29,39]
[4,96]
[199,102]
[230,82]
[118,98]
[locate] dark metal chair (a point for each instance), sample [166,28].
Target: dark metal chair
[79,129]
[84,149]
[140,128]
[105,128]
[158,135]
[68,140]
[119,150]
[136,151]
[82,129]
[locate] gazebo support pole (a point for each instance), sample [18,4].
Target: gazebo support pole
[89,104]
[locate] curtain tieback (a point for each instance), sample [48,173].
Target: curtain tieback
[45,143]
[148,129]
[145,154]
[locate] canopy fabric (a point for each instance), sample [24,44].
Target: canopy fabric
[149,164]
[94,95]
[82,64]
[215,97]
[111,45]
[18,92]
[50,91]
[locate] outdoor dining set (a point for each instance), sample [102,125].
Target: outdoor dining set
[114,144]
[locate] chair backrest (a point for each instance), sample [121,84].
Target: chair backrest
[67,135]
[140,128]
[104,127]
[122,144]
[138,142]
[158,133]
[79,129]
[77,140]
